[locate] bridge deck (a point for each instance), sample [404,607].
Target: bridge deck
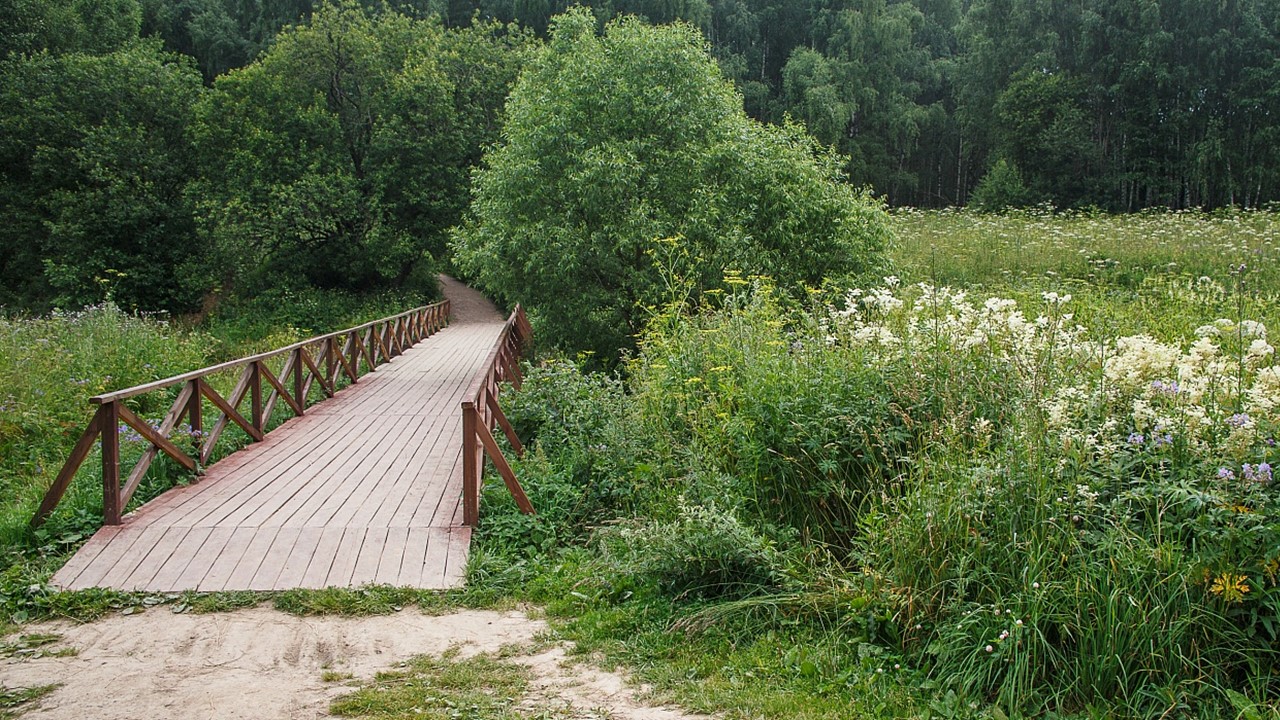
[364,488]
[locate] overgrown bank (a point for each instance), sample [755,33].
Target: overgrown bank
[923,500]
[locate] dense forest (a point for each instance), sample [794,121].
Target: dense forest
[163,153]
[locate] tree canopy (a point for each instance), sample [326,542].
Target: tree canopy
[615,141]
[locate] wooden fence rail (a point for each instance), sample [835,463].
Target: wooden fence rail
[481,414]
[319,361]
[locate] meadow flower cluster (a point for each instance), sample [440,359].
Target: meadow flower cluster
[1094,464]
[1216,393]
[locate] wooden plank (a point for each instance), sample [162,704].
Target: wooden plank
[159,554]
[504,469]
[299,559]
[344,560]
[322,558]
[275,559]
[229,556]
[234,399]
[393,552]
[366,566]
[186,549]
[246,568]
[437,558]
[111,505]
[455,567]
[415,557]
[88,553]
[215,543]
[111,570]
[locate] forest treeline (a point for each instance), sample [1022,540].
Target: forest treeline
[162,152]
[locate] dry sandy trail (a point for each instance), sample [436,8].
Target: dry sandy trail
[261,664]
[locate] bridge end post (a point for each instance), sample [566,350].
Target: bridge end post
[111,510]
[470,465]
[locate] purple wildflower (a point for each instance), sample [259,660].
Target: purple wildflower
[1262,473]
[1239,420]
[1162,440]
[1136,438]
[1226,474]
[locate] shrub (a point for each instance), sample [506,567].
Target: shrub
[615,142]
[706,551]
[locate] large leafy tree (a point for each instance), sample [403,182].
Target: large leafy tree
[339,158]
[95,155]
[615,141]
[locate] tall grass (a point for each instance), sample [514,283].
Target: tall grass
[1047,491]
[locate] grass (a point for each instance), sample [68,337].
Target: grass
[956,493]
[1128,274]
[445,688]
[16,701]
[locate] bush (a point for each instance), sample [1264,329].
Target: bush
[617,146]
[706,551]
[1000,189]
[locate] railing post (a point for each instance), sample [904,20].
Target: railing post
[111,509]
[255,396]
[470,466]
[298,384]
[195,418]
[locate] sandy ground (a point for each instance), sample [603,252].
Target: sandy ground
[263,664]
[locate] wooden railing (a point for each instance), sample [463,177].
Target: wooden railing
[342,353]
[481,413]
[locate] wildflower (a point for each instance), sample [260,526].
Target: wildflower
[1226,474]
[990,649]
[1136,438]
[1162,440]
[1035,585]
[1240,420]
[1259,474]
[1230,587]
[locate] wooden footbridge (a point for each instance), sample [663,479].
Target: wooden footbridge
[379,483]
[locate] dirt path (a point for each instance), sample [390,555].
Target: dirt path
[261,664]
[466,304]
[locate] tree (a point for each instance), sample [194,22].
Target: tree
[61,26]
[95,156]
[615,141]
[339,158]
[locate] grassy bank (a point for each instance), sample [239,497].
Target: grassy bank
[958,492]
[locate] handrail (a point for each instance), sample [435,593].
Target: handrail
[481,413]
[340,353]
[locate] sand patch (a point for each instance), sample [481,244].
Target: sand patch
[262,664]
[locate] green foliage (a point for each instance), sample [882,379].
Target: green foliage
[20,698]
[1000,189]
[64,26]
[96,154]
[989,507]
[49,368]
[351,602]
[583,471]
[616,141]
[339,158]
[704,552]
